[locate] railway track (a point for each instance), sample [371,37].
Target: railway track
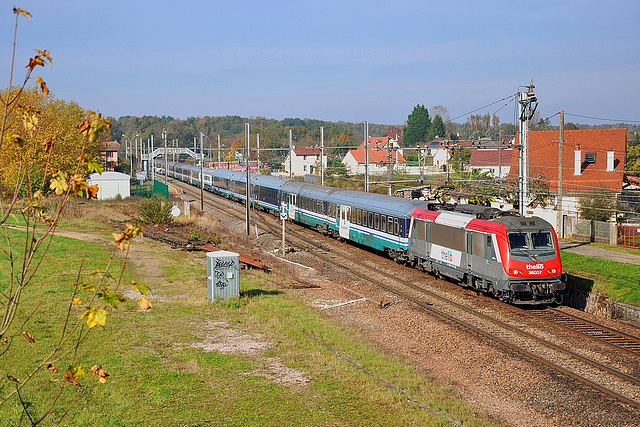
[622,341]
[618,385]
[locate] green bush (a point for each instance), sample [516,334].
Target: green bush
[155,211]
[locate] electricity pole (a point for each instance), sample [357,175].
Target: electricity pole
[366,156]
[560,149]
[527,103]
[321,155]
[201,174]
[246,137]
[166,158]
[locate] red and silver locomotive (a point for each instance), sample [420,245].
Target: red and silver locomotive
[514,258]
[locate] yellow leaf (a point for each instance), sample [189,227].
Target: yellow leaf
[76,301]
[95,317]
[52,368]
[144,303]
[29,336]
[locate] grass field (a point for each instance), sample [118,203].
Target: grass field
[263,359]
[620,281]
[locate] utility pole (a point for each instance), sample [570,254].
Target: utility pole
[258,147]
[201,174]
[560,222]
[246,137]
[166,155]
[218,150]
[153,167]
[527,105]
[321,155]
[290,154]
[366,156]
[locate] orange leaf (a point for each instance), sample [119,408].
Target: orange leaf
[22,11]
[29,336]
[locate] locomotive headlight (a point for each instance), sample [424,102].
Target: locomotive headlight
[553,270]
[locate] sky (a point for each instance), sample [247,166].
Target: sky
[333,60]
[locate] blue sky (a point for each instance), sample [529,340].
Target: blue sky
[333,60]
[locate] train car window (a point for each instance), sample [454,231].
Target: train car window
[370,221]
[490,253]
[542,240]
[377,221]
[390,225]
[364,218]
[383,223]
[396,227]
[479,244]
[421,229]
[359,217]
[519,241]
[320,207]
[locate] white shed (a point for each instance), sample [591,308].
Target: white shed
[110,184]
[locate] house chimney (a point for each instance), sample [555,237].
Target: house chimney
[577,162]
[610,161]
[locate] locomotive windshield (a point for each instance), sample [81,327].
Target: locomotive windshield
[528,241]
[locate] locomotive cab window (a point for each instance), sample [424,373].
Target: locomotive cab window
[542,240]
[519,241]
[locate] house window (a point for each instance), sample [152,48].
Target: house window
[304,168]
[590,157]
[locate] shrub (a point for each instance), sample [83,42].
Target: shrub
[155,211]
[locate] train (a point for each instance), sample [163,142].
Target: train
[514,258]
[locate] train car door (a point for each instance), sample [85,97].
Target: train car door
[469,253]
[292,206]
[345,214]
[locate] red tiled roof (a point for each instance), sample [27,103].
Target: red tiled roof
[489,157]
[377,156]
[544,154]
[111,146]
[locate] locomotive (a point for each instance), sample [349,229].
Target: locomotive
[514,258]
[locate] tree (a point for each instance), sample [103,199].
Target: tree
[418,125]
[437,128]
[54,121]
[440,110]
[598,206]
[460,159]
[27,136]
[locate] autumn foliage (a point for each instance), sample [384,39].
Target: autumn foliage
[47,148]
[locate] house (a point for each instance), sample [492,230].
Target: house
[383,152]
[109,155]
[305,160]
[496,162]
[592,159]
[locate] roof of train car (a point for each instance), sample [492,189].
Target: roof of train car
[318,192]
[268,181]
[396,206]
[529,223]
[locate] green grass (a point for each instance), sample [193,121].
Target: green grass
[160,377]
[620,281]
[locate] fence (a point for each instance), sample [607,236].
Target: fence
[590,231]
[628,236]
